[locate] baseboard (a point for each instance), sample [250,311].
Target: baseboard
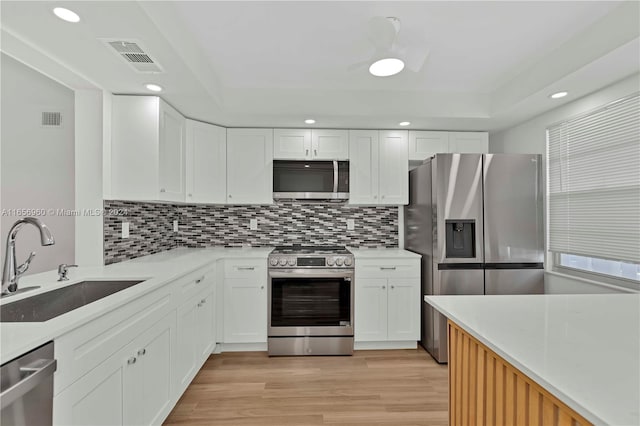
[365,346]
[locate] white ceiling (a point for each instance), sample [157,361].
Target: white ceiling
[490,64]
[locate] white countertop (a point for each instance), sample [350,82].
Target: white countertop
[583,348]
[156,270]
[375,253]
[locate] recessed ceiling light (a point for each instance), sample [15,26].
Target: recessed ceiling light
[559,95]
[310,121]
[153,87]
[306,165]
[66,14]
[386,67]
[404,123]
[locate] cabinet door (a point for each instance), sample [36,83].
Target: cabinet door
[330,144]
[291,144]
[245,310]
[249,166]
[186,338]
[172,150]
[206,167]
[469,142]
[424,144]
[370,310]
[394,167]
[363,166]
[154,364]
[97,397]
[205,327]
[403,306]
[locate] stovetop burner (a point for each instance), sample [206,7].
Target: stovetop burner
[309,256]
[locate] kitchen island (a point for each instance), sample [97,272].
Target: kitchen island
[513,356]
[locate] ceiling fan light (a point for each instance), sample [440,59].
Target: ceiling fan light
[386,67]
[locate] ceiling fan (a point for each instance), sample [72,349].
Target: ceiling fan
[393,51]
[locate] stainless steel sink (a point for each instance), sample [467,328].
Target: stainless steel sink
[45,306]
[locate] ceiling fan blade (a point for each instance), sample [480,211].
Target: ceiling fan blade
[358,65]
[415,59]
[381,32]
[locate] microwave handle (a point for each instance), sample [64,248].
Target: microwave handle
[335,176]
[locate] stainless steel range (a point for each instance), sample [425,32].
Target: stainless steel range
[311,292]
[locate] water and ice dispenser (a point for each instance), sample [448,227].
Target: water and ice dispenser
[461,238]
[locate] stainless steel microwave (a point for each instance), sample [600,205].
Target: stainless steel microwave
[311,180]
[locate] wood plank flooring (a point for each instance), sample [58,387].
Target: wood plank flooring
[396,387]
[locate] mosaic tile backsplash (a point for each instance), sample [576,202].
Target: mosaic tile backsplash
[151,226]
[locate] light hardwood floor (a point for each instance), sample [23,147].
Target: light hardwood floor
[397,387]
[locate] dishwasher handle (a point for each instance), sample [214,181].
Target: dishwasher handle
[35,373]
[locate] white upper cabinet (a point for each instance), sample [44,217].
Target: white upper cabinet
[469,142]
[424,144]
[330,144]
[249,166]
[310,144]
[363,166]
[147,150]
[206,165]
[292,144]
[394,167]
[379,167]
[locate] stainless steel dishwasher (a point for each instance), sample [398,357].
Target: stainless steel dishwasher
[26,388]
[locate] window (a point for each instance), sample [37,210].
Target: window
[593,191]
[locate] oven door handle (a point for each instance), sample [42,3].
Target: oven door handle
[308,273]
[335,176]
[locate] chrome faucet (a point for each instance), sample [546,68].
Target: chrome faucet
[11,272]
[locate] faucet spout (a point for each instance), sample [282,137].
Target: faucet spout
[12,272]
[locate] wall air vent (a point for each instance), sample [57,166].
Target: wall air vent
[134,54]
[51,119]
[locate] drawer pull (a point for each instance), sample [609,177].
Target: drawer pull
[246,268]
[392,268]
[199,280]
[392,287]
[142,352]
[131,360]
[384,287]
[203,301]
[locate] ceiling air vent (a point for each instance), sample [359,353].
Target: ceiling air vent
[51,119]
[134,54]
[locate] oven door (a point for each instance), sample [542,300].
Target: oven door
[307,302]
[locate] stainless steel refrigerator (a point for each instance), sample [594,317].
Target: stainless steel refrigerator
[476,219]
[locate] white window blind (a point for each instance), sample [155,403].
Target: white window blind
[593,170]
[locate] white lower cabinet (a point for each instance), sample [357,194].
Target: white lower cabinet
[245,301]
[131,387]
[387,300]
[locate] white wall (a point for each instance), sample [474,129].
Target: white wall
[37,163]
[88,166]
[530,137]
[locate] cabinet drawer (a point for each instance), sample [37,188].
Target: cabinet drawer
[82,349]
[387,268]
[194,283]
[245,268]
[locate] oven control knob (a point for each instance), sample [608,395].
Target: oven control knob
[339,261]
[273,261]
[348,261]
[330,261]
[282,261]
[291,262]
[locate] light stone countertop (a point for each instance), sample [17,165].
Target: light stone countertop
[582,348]
[156,270]
[376,253]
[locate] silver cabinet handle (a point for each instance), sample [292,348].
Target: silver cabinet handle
[229,195]
[392,268]
[163,190]
[131,360]
[375,196]
[382,196]
[200,305]
[306,152]
[246,268]
[190,195]
[142,352]
[315,152]
[392,287]
[384,287]
[261,287]
[34,374]
[199,280]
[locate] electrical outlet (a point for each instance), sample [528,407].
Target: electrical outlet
[351,224]
[175,225]
[125,229]
[253,224]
